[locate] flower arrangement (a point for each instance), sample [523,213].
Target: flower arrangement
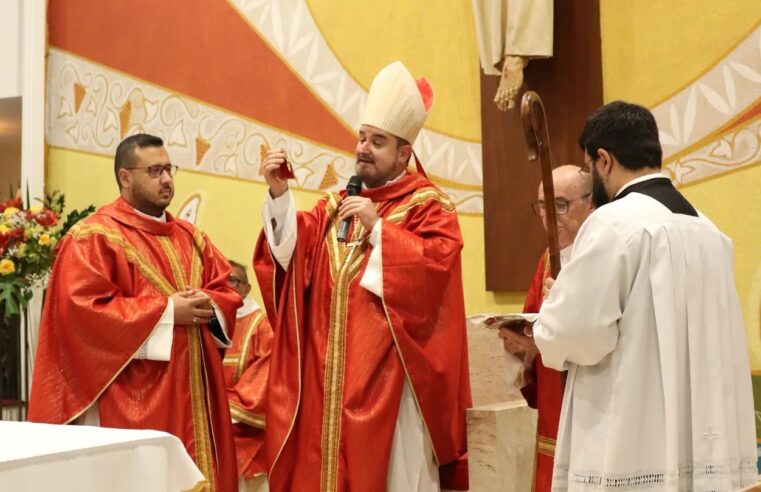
[28,240]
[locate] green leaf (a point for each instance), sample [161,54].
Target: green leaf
[74,217]
[8,293]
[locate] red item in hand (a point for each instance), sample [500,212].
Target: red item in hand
[286,171]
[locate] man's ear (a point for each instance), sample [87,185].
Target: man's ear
[125,179]
[605,158]
[405,152]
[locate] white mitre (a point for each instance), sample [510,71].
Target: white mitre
[396,103]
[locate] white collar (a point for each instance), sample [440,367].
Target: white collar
[248,307]
[646,177]
[157,219]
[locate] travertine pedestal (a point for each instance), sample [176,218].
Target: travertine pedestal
[501,447]
[491,370]
[501,427]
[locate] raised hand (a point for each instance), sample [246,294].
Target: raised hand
[271,170]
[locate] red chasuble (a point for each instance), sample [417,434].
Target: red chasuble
[341,354]
[246,366]
[545,392]
[109,287]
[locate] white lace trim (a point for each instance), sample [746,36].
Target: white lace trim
[707,476]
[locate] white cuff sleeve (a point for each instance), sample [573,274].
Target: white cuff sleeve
[159,344]
[279,219]
[221,343]
[372,279]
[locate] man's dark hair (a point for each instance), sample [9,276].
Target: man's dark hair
[628,131]
[125,152]
[242,268]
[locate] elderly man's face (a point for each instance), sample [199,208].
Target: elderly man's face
[571,189]
[380,157]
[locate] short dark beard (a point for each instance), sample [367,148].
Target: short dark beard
[147,206]
[599,195]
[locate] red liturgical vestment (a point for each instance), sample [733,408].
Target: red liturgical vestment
[246,367]
[109,287]
[341,353]
[545,392]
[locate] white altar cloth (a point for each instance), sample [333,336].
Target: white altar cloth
[41,457]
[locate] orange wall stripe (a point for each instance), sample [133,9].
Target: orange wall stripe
[201,48]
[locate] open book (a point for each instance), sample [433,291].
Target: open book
[514,321]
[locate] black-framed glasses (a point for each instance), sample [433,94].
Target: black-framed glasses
[561,205]
[234,281]
[157,170]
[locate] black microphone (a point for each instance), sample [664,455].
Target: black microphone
[352,189]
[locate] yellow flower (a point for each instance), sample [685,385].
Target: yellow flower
[4,229]
[35,209]
[7,267]
[21,250]
[10,211]
[44,239]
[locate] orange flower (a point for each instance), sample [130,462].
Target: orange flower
[7,267]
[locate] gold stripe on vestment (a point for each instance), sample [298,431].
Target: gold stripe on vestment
[246,417]
[201,429]
[247,337]
[545,446]
[351,258]
[149,271]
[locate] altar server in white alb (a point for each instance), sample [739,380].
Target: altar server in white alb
[646,320]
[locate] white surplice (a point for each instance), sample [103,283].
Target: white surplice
[646,320]
[412,466]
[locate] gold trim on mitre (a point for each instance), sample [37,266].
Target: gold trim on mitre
[394,103]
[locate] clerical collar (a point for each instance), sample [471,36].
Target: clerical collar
[248,307]
[390,181]
[646,177]
[157,219]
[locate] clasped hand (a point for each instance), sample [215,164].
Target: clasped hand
[517,343]
[547,287]
[192,307]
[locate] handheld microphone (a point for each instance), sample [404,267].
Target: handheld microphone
[353,188]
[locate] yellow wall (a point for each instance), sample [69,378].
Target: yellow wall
[645,59]
[230,213]
[433,41]
[651,50]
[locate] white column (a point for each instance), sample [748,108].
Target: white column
[33,23]
[32,51]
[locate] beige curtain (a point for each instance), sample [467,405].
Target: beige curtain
[510,33]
